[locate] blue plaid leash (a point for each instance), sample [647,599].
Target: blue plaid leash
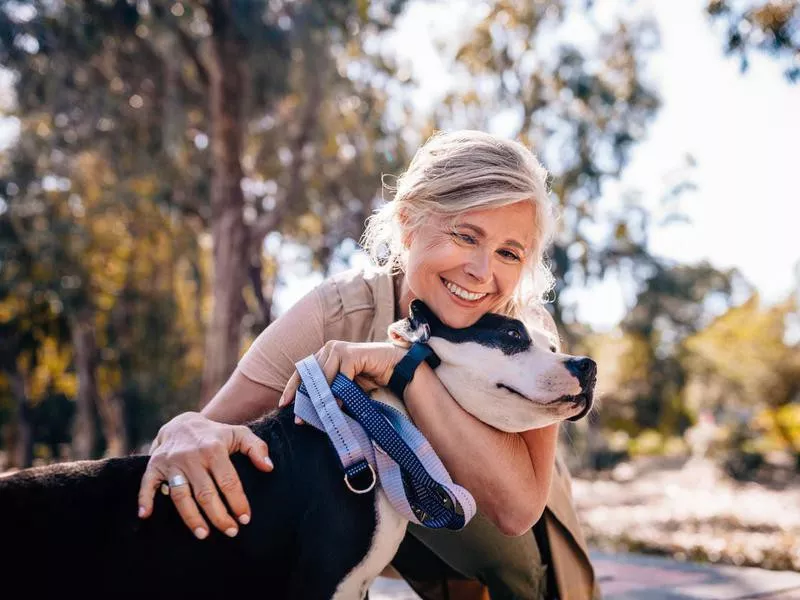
[370,436]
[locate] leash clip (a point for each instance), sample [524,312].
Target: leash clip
[361,490]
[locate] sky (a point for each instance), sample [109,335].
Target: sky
[743,131]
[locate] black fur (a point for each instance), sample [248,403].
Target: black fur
[72,529]
[492,330]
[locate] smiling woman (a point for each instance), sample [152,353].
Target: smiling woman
[489,197]
[472,266]
[466,234]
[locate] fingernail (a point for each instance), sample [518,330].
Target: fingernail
[200,533]
[231,532]
[280,402]
[297,421]
[141,511]
[244,519]
[268,461]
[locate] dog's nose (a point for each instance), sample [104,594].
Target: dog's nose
[585,369]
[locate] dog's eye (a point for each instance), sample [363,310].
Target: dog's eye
[514,334]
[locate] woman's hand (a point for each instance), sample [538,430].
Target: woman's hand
[368,364]
[199,449]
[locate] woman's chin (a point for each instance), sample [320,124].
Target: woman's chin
[459,321]
[458,313]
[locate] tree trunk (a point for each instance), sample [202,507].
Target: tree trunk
[83,426]
[112,418]
[228,231]
[22,449]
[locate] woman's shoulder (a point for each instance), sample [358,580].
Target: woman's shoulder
[354,290]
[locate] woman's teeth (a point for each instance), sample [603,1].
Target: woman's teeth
[461,292]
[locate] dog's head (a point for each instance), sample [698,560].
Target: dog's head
[506,374]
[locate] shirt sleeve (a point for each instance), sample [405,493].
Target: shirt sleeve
[290,338]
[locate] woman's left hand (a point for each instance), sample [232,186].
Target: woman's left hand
[370,365]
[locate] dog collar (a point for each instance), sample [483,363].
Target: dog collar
[404,370]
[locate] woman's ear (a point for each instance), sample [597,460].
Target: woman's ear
[406,234]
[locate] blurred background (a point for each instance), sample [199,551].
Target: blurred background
[174,174]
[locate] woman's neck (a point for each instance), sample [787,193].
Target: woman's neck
[402,296]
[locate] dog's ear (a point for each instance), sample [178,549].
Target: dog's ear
[400,333]
[416,328]
[419,313]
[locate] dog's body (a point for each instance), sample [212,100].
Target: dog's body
[309,536]
[73,527]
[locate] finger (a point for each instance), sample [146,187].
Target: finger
[151,480]
[181,496]
[290,390]
[207,497]
[293,384]
[366,384]
[331,365]
[256,448]
[228,482]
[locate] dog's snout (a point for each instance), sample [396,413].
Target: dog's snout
[585,369]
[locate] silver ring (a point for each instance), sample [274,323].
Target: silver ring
[177,480]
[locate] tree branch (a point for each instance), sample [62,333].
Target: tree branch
[185,40]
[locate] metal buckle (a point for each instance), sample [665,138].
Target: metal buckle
[420,513]
[365,490]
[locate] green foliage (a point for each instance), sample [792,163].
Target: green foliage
[769,26]
[107,192]
[742,366]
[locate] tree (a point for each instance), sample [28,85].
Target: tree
[675,302]
[746,353]
[147,99]
[768,26]
[581,108]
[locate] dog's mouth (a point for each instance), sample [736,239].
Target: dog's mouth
[583,400]
[512,390]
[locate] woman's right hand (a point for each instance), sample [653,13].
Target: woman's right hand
[199,449]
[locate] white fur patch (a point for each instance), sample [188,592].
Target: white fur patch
[471,373]
[389,532]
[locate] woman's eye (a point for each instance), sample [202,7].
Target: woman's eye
[509,255]
[464,237]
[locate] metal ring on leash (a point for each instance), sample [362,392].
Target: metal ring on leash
[365,490]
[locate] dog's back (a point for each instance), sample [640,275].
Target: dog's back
[74,527]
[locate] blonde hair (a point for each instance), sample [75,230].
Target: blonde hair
[459,171]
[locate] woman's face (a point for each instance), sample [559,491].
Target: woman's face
[464,271]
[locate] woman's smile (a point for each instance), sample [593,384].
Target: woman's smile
[463,294]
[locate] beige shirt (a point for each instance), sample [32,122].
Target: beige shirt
[359,306]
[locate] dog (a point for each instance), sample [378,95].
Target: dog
[72,528]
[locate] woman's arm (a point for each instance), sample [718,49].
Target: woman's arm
[198,445]
[509,474]
[240,400]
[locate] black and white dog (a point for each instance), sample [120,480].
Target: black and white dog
[73,528]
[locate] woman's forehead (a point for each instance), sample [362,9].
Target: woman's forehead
[512,222]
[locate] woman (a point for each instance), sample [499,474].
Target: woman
[466,233]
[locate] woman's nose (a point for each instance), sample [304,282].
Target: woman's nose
[479,267]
